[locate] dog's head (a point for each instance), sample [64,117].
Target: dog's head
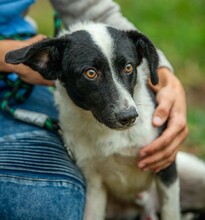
[97,66]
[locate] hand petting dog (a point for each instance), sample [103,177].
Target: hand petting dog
[171,107]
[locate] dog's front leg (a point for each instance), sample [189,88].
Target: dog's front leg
[168,190]
[95,199]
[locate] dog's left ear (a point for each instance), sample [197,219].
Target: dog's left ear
[44,57]
[146,49]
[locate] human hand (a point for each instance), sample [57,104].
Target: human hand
[25,73]
[171,107]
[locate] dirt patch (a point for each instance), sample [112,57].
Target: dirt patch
[193,149]
[196,95]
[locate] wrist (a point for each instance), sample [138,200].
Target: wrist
[5,47]
[166,77]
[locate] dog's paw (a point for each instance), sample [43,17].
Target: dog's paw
[144,200]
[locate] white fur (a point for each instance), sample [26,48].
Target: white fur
[170,203]
[108,157]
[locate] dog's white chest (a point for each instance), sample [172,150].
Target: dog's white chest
[91,142]
[121,177]
[112,155]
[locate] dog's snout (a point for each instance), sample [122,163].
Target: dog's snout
[127,117]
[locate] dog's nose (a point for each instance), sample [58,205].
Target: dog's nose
[127,117]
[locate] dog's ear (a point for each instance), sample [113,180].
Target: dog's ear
[146,49]
[44,57]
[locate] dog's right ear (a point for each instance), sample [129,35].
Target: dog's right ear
[44,57]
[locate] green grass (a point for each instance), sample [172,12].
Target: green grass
[196,117]
[42,12]
[196,140]
[177,27]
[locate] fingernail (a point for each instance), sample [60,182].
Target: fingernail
[42,36]
[143,154]
[145,169]
[141,165]
[157,120]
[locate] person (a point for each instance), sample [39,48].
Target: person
[38,180]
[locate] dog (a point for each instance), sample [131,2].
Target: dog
[105,108]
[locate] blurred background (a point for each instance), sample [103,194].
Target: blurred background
[177,27]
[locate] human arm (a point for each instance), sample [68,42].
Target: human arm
[24,72]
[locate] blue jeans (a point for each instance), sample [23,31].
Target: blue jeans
[38,180]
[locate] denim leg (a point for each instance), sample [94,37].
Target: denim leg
[38,180]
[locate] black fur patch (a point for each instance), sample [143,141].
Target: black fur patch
[168,175]
[124,52]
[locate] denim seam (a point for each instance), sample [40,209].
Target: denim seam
[35,133]
[63,182]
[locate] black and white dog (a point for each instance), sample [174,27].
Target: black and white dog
[105,110]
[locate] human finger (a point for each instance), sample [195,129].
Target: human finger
[163,164]
[175,125]
[162,111]
[36,38]
[165,157]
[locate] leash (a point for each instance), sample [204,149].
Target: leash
[17,91]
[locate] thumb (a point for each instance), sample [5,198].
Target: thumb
[36,38]
[161,113]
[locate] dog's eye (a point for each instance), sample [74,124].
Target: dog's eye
[91,73]
[128,68]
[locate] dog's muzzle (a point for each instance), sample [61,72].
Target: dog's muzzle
[127,117]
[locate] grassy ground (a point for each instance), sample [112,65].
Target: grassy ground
[177,27]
